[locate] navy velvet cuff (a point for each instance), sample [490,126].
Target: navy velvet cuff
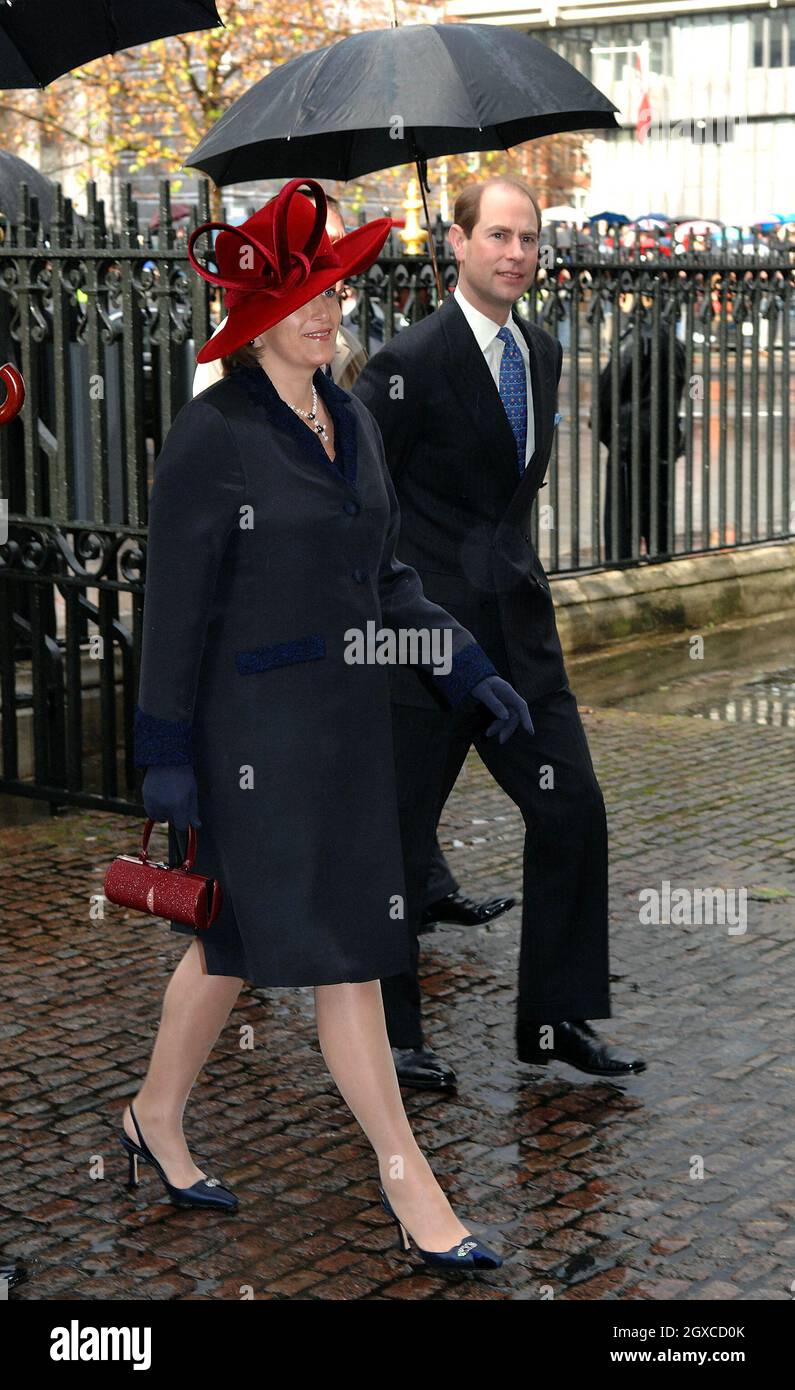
[470,666]
[164,741]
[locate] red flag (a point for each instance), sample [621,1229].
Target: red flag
[644,118]
[644,110]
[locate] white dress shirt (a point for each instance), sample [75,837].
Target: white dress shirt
[485,331]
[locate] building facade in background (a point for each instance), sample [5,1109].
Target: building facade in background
[706,98]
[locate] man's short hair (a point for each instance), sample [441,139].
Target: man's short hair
[467,205]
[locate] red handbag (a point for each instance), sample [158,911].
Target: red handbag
[134,881]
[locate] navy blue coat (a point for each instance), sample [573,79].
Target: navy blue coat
[262,555]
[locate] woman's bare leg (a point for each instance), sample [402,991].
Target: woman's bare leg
[195,1008]
[355,1045]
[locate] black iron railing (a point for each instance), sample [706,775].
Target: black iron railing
[104,323]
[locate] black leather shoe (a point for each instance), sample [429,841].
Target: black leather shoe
[464,911]
[575,1042]
[418,1066]
[12,1275]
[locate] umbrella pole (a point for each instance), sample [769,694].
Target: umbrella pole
[422,175]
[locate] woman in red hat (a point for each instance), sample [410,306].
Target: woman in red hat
[263,716]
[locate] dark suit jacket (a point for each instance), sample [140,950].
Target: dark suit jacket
[465,507]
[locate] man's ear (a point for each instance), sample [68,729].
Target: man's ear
[456,237]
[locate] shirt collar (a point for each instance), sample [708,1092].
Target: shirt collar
[484,328]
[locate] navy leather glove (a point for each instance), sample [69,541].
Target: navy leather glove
[170,793]
[511,710]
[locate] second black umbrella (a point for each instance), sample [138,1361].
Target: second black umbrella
[42,39]
[392,96]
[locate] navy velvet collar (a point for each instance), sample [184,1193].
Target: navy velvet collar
[256,382]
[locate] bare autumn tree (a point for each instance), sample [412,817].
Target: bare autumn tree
[153,104]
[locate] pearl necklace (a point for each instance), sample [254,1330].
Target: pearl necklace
[311,415]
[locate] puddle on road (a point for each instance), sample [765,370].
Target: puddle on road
[746,676]
[770,700]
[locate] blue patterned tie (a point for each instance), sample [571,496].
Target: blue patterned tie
[513,391]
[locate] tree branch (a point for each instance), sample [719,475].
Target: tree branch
[45,120]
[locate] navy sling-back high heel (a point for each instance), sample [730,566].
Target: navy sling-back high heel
[468,1253]
[207,1192]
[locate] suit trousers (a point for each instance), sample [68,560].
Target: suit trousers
[549,775]
[440,882]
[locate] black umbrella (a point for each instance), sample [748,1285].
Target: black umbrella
[396,96]
[13,173]
[392,96]
[42,39]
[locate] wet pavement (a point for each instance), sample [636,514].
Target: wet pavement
[744,673]
[676,1184]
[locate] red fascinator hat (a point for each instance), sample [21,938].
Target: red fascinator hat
[279,259]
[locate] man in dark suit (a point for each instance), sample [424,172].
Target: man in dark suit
[466,401]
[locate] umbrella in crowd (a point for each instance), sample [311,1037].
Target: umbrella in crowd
[613,219]
[698,229]
[563,213]
[396,96]
[179,211]
[651,220]
[773,221]
[697,226]
[13,173]
[42,39]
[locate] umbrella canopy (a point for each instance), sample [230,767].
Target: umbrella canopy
[772,220]
[615,219]
[42,39]
[179,211]
[13,173]
[392,96]
[697,227]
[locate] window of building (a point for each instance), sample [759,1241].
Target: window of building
[776,38]
[758,41]
[773,41]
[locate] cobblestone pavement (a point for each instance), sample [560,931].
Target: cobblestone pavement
[589,1189]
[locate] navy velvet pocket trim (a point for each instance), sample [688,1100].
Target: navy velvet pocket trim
[281,654]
